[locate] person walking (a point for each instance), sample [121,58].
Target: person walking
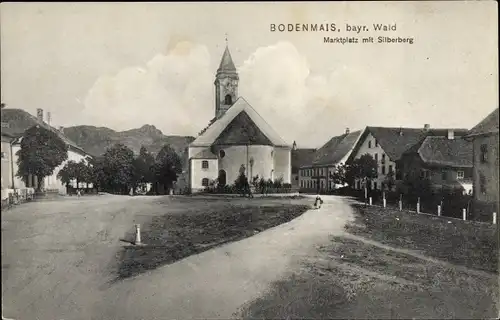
[318,202]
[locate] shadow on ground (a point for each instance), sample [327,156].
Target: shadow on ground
[198,225]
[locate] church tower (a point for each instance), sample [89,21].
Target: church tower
[226,84]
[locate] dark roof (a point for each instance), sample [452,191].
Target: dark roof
[446,152]
[302,157]
[226,63]
[242,130]
[19,121]
[488,125]
[336,148]
[205,154]
[395,141]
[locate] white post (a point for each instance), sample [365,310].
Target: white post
[439,210]
[400,205]
[370,200]
[366,193]
[494,218]
[418,207]
[464,214]
[137,234]
[384,202]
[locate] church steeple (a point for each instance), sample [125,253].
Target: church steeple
[226,84]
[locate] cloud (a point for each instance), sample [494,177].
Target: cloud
[174,92]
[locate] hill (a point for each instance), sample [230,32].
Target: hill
[95,140]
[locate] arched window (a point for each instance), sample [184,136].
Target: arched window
[228,99]
[204,164]
[204,182]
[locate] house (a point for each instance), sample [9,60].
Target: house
[300,157]
[237,139]
[387,144]
[316,176]
[445,161]
[19,121]
[6,165]
[484,138]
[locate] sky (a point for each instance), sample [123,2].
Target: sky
[123,65]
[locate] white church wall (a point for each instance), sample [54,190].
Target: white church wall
[235,156]
[283,164]
[198,173]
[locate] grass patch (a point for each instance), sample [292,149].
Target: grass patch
[349,278]
[194,225]
[470,244]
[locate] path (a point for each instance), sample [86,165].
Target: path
[55,257]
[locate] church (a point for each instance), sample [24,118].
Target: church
[237,139]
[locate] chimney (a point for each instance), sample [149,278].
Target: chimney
[427,127]
[451,134]
[48,118]
[400,131]
[294,147]
[347,130]
[39,114]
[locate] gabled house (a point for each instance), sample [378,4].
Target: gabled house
[17,121]
[387,144]
[316,176]
[446,162]
[484,138]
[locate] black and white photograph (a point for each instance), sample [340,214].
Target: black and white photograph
[249,160]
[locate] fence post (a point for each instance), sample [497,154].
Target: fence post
[366,194]
[370,199]
[464,214]
[494,218]
[401,202]
[384,203]
[418,205]
[137,234]
[439,210]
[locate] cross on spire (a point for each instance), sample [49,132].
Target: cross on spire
[226,38]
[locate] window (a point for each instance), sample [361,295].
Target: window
[222,154]
[383,169]
[390,169]
[4,155]
[376,143]
[460,175]
[369,144]
[484,153]
[482,183]
[383,158]
[204,182]
[204,164]
[376,157]
[374,185]
[443,175]
[228,100]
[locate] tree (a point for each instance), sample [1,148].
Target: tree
[167,166]
[41,152]
[117,168]
[66,174]
[363,168]
[143,168]
[390,180]
[339,175]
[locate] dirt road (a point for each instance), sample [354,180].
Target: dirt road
[56,258]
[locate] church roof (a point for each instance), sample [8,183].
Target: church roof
[216,129]
[242,130]
[226,63]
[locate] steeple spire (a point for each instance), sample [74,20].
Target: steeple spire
[226,63]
